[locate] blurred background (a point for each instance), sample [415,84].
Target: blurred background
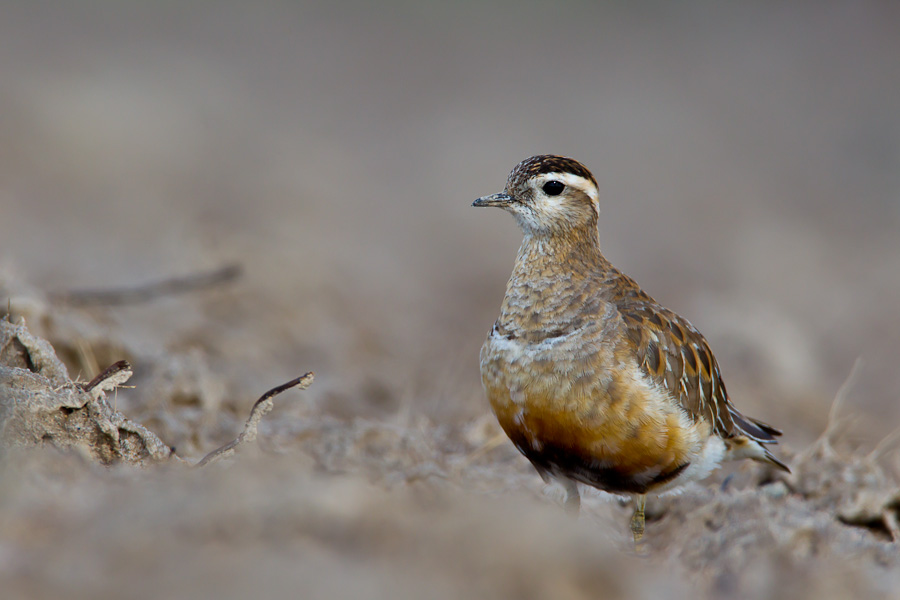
[748,157]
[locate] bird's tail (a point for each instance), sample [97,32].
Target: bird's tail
[752,443]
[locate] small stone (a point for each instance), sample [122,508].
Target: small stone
[775,490]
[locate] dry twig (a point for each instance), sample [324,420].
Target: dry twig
[840,397]
[262,407]
[150,291]
[112,376]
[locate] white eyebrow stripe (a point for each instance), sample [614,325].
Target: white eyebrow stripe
[575,181]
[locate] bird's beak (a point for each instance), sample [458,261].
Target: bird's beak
[502,199]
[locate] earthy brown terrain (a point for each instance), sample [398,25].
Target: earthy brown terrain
[749,160]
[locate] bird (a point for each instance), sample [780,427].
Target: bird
[592,380]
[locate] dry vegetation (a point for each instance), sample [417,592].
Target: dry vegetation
[748,158]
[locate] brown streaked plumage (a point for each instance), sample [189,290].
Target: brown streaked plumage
[593,380]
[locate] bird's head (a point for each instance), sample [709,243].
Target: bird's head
[549,195]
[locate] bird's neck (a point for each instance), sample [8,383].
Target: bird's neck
[552,280]
[574,254]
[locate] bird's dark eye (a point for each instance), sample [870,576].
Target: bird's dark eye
[553,188]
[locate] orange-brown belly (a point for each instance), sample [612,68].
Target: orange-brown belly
[618,438]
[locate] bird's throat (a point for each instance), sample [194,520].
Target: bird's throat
[573,256]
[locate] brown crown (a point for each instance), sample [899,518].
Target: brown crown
[546,163]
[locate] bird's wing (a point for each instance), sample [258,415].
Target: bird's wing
[674,355]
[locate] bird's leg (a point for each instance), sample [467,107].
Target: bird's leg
[573,499]
[637,519]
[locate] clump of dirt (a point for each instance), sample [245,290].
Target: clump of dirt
[39,405]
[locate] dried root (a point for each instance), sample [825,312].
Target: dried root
[261,408]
